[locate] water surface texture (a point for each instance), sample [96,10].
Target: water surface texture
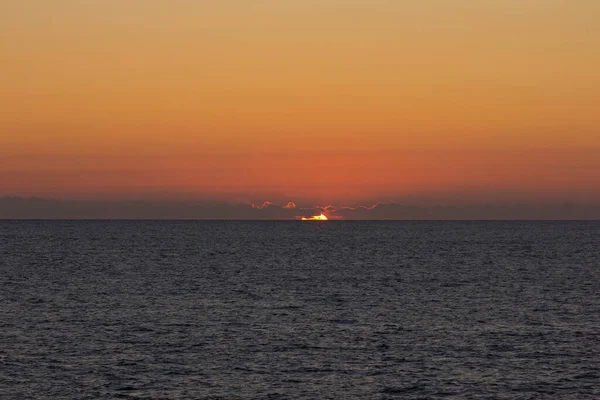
[299,310]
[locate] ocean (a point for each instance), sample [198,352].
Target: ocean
[299,310]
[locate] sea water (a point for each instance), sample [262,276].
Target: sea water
[299,310]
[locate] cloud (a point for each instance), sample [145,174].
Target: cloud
[264,205]
[39,208]
[392,211]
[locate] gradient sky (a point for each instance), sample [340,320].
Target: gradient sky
[326,101]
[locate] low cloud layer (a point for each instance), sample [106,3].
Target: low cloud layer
[39,208]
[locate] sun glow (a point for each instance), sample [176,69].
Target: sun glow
[321,217]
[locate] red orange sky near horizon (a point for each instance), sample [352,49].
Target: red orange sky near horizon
[324,101]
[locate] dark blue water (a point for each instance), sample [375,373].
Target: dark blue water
[312,310]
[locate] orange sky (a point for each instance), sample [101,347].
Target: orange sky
[323,101]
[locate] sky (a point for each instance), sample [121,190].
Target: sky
[341,102]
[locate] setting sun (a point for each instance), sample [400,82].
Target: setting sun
[321,217]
